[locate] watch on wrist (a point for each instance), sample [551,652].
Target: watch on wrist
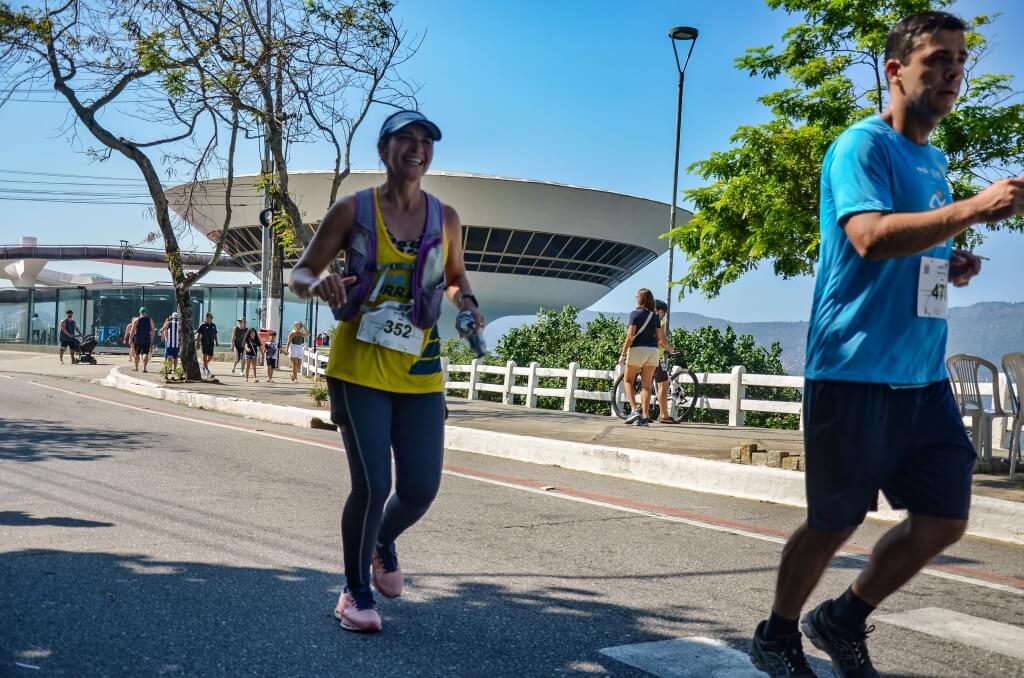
[471,298]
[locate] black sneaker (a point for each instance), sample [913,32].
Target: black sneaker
[848,649]
[780,658]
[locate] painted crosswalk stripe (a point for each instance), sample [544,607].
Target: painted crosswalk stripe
[685,658]
[978,632]
[693,657]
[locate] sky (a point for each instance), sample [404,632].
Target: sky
[578,92]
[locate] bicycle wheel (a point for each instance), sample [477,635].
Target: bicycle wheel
[685,392]
[619,403]
[619,399]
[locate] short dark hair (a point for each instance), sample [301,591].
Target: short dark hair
[902,39]
[660,305]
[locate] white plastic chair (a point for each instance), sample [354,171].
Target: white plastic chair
[963,372]
[1013,365]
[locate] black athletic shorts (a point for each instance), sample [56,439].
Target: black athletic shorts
[142,348]
[207,349]
[68,343]
[910,443]
[272,362]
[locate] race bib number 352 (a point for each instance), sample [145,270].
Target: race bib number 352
[932,279]
[389,327]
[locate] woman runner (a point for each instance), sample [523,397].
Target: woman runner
[386,398]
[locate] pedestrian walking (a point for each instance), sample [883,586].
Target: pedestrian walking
[170,332]
[68,330]
[270,354]
[37,329]
[661,372]
[879,412]
[238,333]
[251,349]
[384,374]
[128,338]
[296,342]
[644,335]
[142,339]
[206,341]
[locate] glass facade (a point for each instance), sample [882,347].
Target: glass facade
[32,316]
[14,317]
[551,255]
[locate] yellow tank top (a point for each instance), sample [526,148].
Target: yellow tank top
[365,364]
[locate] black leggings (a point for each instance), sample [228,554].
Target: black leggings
[372,423]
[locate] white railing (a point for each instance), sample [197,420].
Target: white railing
[314,365]
[736,404]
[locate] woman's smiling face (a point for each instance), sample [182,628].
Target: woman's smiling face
[408,152]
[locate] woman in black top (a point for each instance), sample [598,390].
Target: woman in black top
[640,354]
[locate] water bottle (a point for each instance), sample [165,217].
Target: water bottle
[465,325]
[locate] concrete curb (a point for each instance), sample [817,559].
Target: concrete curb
[991,518]
[240,407]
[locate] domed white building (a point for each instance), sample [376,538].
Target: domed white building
[527,243]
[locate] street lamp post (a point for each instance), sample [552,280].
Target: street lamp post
[676,35]
[124,253]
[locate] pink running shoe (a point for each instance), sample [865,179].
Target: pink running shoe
[355,619]
[387,575]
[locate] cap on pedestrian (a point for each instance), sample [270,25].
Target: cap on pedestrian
[174,315]
[241,319]
[142,310]
[400,119]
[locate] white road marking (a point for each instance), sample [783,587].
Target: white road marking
[978,632]
[693,657]
[940,574]
[4,376]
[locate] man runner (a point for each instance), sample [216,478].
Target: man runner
[879,412]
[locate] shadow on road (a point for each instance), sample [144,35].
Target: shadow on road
[38,440]
[130,615]
[22,519]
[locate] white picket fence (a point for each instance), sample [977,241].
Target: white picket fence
[314,364]
[736,404]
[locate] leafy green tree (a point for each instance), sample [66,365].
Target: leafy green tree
[761,202]
[708,349]
[116,62]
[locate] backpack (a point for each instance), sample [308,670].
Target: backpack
[428,278]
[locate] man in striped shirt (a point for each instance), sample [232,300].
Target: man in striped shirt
[171,334]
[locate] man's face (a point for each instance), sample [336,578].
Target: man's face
[930,80]
[209,318]
[661,314]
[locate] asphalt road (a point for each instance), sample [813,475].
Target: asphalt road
[142,539]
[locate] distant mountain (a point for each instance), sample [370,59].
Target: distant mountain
[988,329]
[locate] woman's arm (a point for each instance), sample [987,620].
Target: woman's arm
[630,335]
[663,340]
[327,242]
[455,268]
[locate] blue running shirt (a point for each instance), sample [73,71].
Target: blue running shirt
[864,324]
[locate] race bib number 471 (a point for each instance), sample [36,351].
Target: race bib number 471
[932,301]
